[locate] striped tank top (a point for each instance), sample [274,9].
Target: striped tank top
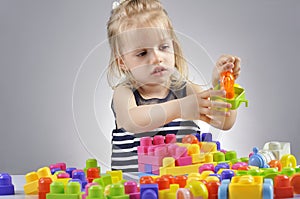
[124,144]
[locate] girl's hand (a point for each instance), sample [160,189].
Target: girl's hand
[200,106]
[226,63]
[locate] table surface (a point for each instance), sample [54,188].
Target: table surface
[19,181]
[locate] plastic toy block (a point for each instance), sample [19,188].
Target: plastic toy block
[89,185]
[73,191]
[54,170]
[237,165]
[116,176]
[44,187]
[171,194]
[282,187]
[278,148]
[288,171]
[170,138]
[198,189]
[163,183]
[6,186]
[180,180]
[275,164]
[158,140]
[207,147]
[95,192]
[198,158]
[295,182]
[147,180]
[212,188]
[193,176]
[117,191]
[249,187]
[214,177]
[79,174]
[61,166]
[183,161]
[206,167]
[239,97]
[219,157]
[230,155]
[221,166]
[227,174]
[179,170]
[191,139]
[91,163]
[63,175]
[104,180]
[92,173]
[31,185]
[65,181]
[70,170]
[288,160]
[130,187]
[146,159]
[146,141]
[206,137]
[148,168]
[149,191]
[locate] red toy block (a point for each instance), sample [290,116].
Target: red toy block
[282,187]
[44,187]
[92,173]
[180,180]
[295,182]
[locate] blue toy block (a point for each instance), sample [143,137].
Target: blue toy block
[216,175]
[149,191]
[197,135]
[223,189]
[227,174]
[54,170]
[70,170]
[148,168]
[218,145]
[221,166]
[6,186]
[206,137]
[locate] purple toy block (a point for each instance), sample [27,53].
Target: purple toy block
[6,186]
[221,166]
[206,137]
[149,191]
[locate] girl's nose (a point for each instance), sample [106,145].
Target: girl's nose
[156,57]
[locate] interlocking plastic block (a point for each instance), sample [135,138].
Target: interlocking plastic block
[180,180]
[227,174]
[198,189]
[149,191]
[163,183]
[295,182]
[61,165]
[117,191]
[221,166]
[282,187]
[206,137]
[147,180]
[95,192]
[91,163]
[70,171]
[87,187]
[73,191]
[92,173]
[79,174]
[44,187]
[104,180]
[31,185]
[6,186]
[212,188]
[278,148]
[116,175]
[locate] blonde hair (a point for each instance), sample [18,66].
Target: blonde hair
[132,14]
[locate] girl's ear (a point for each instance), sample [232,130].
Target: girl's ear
[121,64]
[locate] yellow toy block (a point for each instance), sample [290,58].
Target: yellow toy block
[198,189]
[116,176]
[182,170]
[246,187]
[205,174]
[169,193]
[32,180]
[198,158]
[206,147]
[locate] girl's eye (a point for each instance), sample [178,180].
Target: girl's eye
[164,46]
[141,54]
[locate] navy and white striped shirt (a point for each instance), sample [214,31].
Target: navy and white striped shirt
[124,144]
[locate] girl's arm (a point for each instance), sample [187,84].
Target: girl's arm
[144,118]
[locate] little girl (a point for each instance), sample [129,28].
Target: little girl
[153,95]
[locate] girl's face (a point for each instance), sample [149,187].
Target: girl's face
[148,54]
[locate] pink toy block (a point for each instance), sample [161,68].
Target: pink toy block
[183,161]
[237,165]
[87,189]
[142,150]
[170,138]
[150,160]
[158,140]
[206,167]
[146,141]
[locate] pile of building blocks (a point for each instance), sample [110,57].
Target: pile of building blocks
[196,168]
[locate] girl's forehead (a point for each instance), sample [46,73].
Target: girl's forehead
[142,38]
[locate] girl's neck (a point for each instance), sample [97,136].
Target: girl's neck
[154,91]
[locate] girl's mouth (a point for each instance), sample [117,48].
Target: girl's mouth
[158,70]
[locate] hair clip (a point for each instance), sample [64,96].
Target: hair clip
[117,3]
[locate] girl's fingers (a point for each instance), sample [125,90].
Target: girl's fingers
[210,93]
[214,112]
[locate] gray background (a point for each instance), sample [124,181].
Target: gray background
[55,101]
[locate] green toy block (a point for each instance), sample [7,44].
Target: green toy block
[218,157]
[288,171]
[230,155]
[239,97]
[57,191]
[96,192]
[104,180]
[91,163]
[117,191]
